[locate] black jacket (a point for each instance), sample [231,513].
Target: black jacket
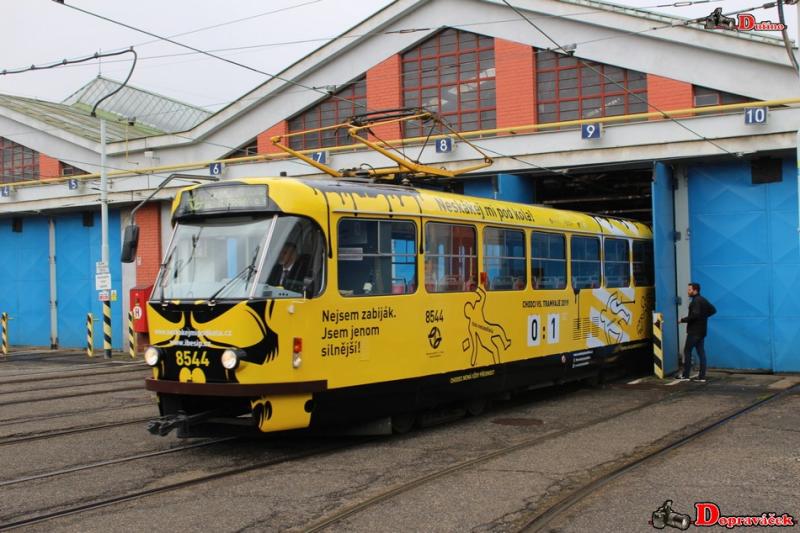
[295,277]
[697,321]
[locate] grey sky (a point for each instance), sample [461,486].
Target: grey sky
[41,31]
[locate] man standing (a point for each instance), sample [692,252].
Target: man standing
[696,329]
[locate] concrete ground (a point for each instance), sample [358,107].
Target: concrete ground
[565,437]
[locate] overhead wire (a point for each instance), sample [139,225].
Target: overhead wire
[621,86]
[197,50]
[327,94]
[410,30]
[271,76]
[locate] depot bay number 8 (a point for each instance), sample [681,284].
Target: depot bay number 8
[538,329]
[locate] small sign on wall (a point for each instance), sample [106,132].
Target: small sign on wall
[590,131]
[755,115]
[216,168]
[444,146]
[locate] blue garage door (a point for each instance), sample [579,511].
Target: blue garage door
[77,251]
[744,248]
[25,280]
[664,259]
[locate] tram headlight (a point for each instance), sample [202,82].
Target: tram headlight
[231,358]
[152,355]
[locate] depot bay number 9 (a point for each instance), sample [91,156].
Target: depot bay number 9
[548,329]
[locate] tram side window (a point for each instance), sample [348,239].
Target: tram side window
[617,263]
[504,259]
[451,261]
[548,261]
[377,257]
[643,275]
[585,254]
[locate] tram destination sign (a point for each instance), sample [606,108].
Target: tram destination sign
[215,199]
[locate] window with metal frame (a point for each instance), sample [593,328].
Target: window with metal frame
[548,260]
[504,259]
[377,257]
[703,96]
[247,149]
[452,74]
[585,262]
[17,162]
[617,263]
[69,170]
[643,273]
[569,89]
[451,260]
[339,107]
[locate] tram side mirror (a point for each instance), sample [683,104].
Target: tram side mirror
[308,287]
[130,241]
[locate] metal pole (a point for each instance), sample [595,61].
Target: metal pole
[89,335]
[4,319]
[131,336]
[104,236]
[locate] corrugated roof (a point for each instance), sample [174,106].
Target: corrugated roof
[159,112]
[76,120]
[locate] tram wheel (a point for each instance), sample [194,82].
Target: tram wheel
[403,423]
[475,406]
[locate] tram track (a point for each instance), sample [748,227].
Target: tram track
[538,522]
[76,395]
[83,412]
[110,462]
[74,385]
[541,520]
[463,465]
[17,439]
[74,367]
[200,479]
[68,374]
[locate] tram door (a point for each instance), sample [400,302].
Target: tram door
[664,259]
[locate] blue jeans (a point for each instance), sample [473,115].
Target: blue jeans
[698,343]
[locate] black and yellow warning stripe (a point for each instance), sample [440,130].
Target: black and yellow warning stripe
[658,350]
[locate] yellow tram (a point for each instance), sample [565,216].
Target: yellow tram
[285,303]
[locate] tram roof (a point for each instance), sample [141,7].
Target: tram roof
[315,197]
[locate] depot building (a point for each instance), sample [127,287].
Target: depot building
[613,111]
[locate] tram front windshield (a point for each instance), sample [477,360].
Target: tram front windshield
[236,258]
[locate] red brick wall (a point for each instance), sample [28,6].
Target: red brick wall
[385,91]
[148,254]
[667,94]
[265,145]
[49,167]
[515,83]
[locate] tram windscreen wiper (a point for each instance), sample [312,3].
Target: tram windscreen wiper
[249,270]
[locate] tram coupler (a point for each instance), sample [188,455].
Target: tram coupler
[163,425]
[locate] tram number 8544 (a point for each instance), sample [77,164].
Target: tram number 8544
[434,315]
[191,358]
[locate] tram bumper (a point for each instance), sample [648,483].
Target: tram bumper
[272,406]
